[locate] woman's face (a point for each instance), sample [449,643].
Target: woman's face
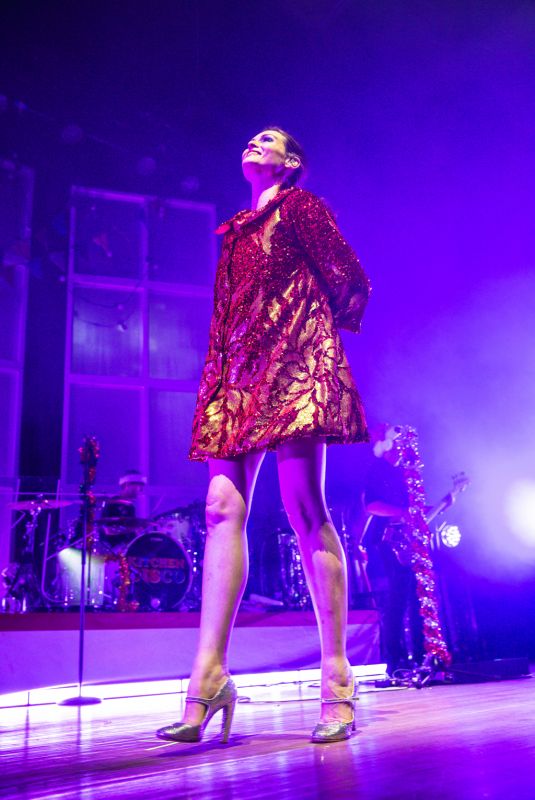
[265,152]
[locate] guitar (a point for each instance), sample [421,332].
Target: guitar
[397,534]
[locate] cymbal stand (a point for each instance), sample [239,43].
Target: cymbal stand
[58,542]
[25,586]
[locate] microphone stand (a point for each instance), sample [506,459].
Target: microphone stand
[88,462]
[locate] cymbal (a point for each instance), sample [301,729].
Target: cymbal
[123,522]
[41,505]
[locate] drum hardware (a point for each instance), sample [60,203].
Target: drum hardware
[117,531]
[100,589]
[158,575]
[185,525]
[40,503]
[158,568]
[21,582]
[23,593]
[282,578]
[131,563]
[295,592]
[10,603]
[118,521]
[123,579]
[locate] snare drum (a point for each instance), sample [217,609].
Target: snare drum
[160,572]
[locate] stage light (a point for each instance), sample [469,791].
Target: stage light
[450,535]
[520,510]
[70,557]
[255,683]
[70,562]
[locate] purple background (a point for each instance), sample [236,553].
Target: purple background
[418,120]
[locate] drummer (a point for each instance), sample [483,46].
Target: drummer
[119,513]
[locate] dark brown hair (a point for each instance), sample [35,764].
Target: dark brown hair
[293,148]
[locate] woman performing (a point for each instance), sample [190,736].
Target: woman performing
[276,378]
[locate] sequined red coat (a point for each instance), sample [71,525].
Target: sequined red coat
[276,368]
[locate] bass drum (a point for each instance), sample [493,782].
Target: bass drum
[160,572]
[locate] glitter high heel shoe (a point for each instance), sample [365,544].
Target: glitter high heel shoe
[336,731]
[224,700]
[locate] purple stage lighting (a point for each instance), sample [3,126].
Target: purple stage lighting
[520,511]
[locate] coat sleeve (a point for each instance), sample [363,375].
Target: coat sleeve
[338,268]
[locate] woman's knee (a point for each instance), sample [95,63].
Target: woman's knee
[224,503]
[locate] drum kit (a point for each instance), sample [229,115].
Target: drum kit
[136,564]
[133,564]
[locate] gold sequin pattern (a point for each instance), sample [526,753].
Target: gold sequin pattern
[276,367]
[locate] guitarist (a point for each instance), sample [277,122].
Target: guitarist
[385,502]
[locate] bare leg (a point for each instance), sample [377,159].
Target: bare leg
[301,467]
[225,572]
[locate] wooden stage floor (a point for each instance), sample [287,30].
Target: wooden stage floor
[467,742]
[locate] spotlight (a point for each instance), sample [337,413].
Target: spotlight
[520,510]
[70,557]
[450,535]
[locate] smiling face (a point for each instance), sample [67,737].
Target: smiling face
[266,154]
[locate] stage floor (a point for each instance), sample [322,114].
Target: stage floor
[456,742]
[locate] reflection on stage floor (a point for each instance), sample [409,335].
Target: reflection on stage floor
[463,742]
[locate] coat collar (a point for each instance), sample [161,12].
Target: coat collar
[243,218]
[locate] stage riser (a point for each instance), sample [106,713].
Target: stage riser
[34,659]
